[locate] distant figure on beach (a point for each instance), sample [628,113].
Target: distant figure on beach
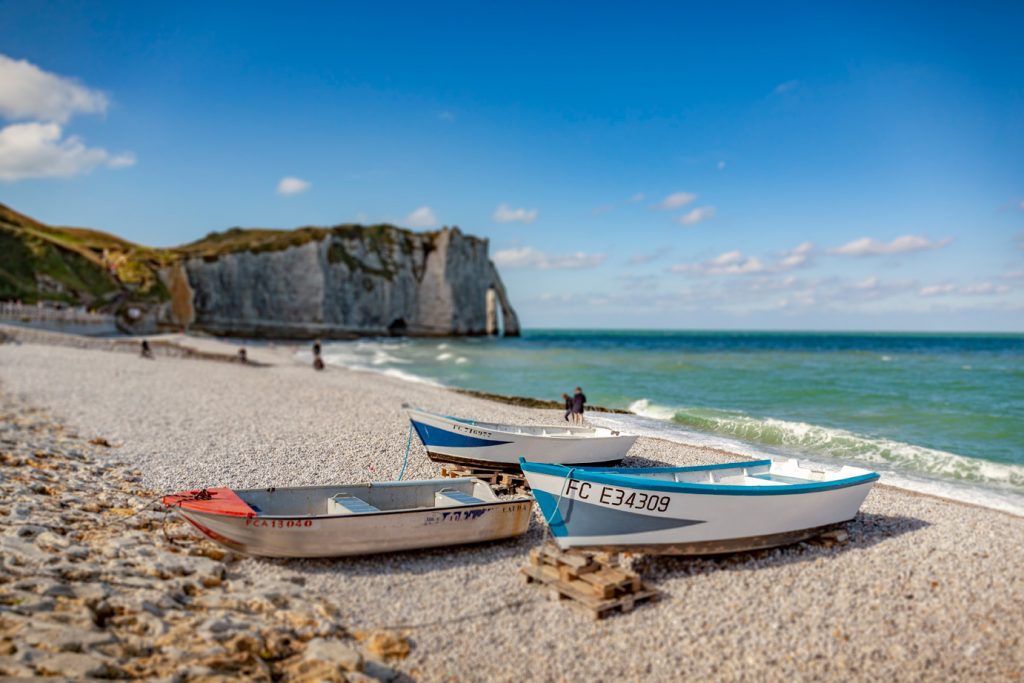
[242,356]
[578,400]
[318,362]
[568,406]
[145,351]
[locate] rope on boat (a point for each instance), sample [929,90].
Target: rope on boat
[201,494]
[408,445]
[124,520]
[558,503]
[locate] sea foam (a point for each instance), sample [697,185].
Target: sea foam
[903,465]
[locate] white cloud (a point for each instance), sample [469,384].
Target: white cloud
[675,200]
[697,215]
[762,293]
[936,290]
[290,185]
[868,246]
[506,214]
[735,263]
[972,289]
[797,256]
[122,160]
[535,259]
[729,263]
[28,92]
[984,289]
[39,150]
[43,102]
[423,217]
[771,284]
[786,87]
[638,197]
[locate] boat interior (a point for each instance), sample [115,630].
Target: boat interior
[757,473]
[371,498]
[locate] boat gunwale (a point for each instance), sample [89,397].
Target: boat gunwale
[690,468]
[617,479]
[184,504]
[503,428]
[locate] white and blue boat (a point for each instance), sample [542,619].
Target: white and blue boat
[500,446]
[701,510]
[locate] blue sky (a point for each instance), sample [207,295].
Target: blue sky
[636,165]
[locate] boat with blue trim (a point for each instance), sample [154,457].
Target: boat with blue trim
[500,446]
[701,510]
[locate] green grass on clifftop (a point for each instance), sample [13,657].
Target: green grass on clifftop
[100,270]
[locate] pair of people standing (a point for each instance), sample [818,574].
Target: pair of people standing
[574,406]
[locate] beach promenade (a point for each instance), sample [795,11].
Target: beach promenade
[923,589]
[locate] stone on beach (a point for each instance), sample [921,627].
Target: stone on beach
[103,594]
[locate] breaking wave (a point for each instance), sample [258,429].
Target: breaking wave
[815,440]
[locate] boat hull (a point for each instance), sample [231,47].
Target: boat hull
[453,441]
[597,511]
[348,535]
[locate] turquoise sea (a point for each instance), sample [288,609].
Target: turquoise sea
[942,413]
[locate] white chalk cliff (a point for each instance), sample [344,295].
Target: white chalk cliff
[341,282]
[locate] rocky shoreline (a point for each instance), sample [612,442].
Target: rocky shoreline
[98,581]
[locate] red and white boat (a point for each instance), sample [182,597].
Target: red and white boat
[361,519]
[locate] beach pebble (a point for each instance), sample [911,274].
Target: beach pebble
[343,655]
[914,588]
[76,666]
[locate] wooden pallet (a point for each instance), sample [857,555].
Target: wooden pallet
[501,482]
[593,582]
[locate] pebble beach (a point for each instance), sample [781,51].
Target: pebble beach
[921,588]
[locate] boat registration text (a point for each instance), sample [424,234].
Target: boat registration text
[616,497]
[470,430]
[279,523]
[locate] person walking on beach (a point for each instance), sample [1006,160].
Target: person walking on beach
[568,406]
[578,400]
[146,351]
[318,362]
